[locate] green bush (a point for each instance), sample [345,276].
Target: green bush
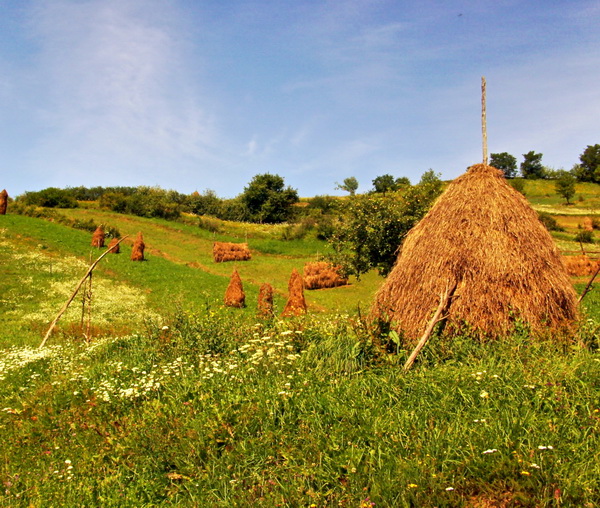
[584,236]
[550,222]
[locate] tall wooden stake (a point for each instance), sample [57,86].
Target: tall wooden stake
[484,122]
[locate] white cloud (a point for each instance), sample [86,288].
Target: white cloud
[116,87]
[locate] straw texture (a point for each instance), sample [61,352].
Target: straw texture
[482,234]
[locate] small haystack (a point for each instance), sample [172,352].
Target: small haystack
[482,235]
[321,274]
[225,251]
[296,304]
[265,300]
[580,266]
[137,252]
[3,202]
[114,246]
[588,224]
[235,296]
[98,237]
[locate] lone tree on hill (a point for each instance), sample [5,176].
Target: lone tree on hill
[349,185]
[505,162]
[531,167]
[565,185]
[268,200]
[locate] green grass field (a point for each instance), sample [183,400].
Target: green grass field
[179,401]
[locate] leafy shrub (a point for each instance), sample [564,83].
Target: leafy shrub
[49,198]
[550,222]
[584,236]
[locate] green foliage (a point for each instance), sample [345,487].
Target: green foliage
[518,184]
[387,183]
[565,185]
[373,226]
[504,162]
[550,222]
[589,168]
[584,236]
[349,185]
[49,198]
[268,200]
[531,167]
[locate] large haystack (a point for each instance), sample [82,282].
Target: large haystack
[3,202]
[137,251]
[296,304]
[98,237]
[483,235]
[321,274]
[225,251]
[234,295]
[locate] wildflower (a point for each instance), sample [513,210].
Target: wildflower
[491,450]
[542,447]
[535,466]
[448,489]
[525,473]
[412,485]
[484,394]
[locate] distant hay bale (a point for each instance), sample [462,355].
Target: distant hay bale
[579,266]
[114,246]
[296,304]
[3,202]
[225,251]
[234,295]
[98,237]
[265,300]
[137,252]
[588,224]
[321,274]
[484,236]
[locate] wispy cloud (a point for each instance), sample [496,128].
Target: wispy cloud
[115,87]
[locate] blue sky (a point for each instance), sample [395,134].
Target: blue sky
[204,94]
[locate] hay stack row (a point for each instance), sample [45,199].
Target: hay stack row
[579,266]
[137,251]
[321,275]
[225,251]
[295,306]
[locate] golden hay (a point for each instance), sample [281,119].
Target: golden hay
[114,246]
[225,251]
[265,300]
[3,202]
[234,295]
[137,252]
[588,224]
[296,304]
[579,266]
[483,235]
[98,237]
[320,274]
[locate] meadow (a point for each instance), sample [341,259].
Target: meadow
[173,399]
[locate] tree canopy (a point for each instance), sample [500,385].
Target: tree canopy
[268,200]
[349,185]
[531,167]
[589,167]
[504,162]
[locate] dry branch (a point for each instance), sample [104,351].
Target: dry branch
[66,305]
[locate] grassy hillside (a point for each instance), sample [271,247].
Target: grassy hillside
[179,401]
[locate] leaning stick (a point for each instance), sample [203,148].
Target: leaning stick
[66,305]
[589,284]
[444,300]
